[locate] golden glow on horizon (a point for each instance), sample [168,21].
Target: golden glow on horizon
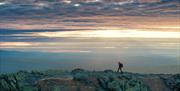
[168,27]
[112,34]
[161,23]
[68,51]
[16,44]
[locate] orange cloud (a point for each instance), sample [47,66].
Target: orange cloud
[70,51]
[126,33]
[16,44]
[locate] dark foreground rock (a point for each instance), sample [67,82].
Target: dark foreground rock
[81,80]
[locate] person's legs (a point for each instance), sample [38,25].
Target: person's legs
[121,70]
[118,70]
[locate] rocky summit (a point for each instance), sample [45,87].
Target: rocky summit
[82,80]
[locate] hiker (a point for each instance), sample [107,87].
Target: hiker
[120,67]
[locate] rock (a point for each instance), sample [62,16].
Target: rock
[80,77]
[62,84]
[120,83]
[78,70]
[108,71]
[173,82]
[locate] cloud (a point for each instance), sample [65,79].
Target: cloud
[26,31]
[42,21]
[16,44]
[112,34]
[84,8]
[68,51]
[63,28]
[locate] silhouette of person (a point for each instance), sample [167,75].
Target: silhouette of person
[120,67]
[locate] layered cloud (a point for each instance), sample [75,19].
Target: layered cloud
[71,25]
[89,7]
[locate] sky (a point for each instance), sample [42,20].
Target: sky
[123,29]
